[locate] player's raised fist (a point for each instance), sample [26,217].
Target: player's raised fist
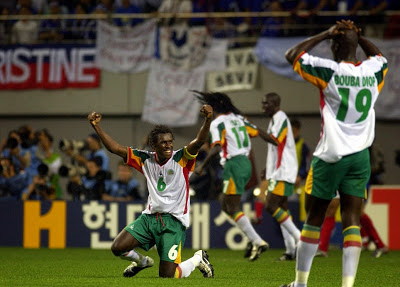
[207,111]
[94,118]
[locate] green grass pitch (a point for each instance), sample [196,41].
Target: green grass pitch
[86,267]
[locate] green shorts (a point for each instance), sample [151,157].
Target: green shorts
[237,173]
[349,176]
[163,230]
[281,188]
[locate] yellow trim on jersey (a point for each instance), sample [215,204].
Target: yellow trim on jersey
[282,135]
[309,181]
[230,189]
[178,259]
[188,155]
[380,86]
[310,78]
[252,131]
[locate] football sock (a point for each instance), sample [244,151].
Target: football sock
[306,250]
[258,208]
[351,254]
[134,256]
[369,227]
[244,224]
[326,232]
[184,269]
[284,220]
[290,243]
[364,237]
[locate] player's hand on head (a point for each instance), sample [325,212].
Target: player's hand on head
[94,118]
[207,111]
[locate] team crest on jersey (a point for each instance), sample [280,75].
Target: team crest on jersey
[170,172]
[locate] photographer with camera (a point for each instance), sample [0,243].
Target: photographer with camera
[41,187]
[92,185]
[74,149]
[48,156]
[12,182]
[11,148]
[125,188]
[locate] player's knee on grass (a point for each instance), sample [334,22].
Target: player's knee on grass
[167,269]
[117,249]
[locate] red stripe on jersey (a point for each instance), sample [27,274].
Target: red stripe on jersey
[321,107]
[281,147]
[186,171]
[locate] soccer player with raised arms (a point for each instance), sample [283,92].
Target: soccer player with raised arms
[348,92]
[164,221]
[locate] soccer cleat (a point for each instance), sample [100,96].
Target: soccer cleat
[257,250]
[286,257]
[205,266]
[380,251]
[247,251]
[134,269]
[321,253]
[288,285]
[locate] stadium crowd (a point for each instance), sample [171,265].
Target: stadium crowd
[303,15]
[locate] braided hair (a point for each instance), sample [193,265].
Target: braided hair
[220,102]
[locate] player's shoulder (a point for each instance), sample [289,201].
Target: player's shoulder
[312,60]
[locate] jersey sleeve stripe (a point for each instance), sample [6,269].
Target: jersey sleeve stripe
[380,76]
[318,76]
[283,132]
[253,132]
[187,154]
[134,160]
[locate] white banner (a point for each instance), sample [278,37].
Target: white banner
[271,53]
[125,50]
[240,73]
[184,47]
[168,97]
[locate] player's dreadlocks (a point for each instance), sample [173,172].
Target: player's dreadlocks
[220,102]
[157,130]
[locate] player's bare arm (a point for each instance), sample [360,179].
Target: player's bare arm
[368,47]
[267,137]
[111,145]
[195,145]
[309,43]
[210,156]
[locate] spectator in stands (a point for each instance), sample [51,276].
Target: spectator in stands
[24,31]
[175,6]
[295,20]
[25,3]
[5,27]
[53,30]
[106,6]
[77,28]
[95,150]
[273,26]
[349,6]
[12,181]
[91,27]
[199,6]
[125,188]
[127,8]
[40,6]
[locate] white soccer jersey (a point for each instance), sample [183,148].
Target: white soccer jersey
[282,162]
[168,184]
[233,133]
[348,93]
